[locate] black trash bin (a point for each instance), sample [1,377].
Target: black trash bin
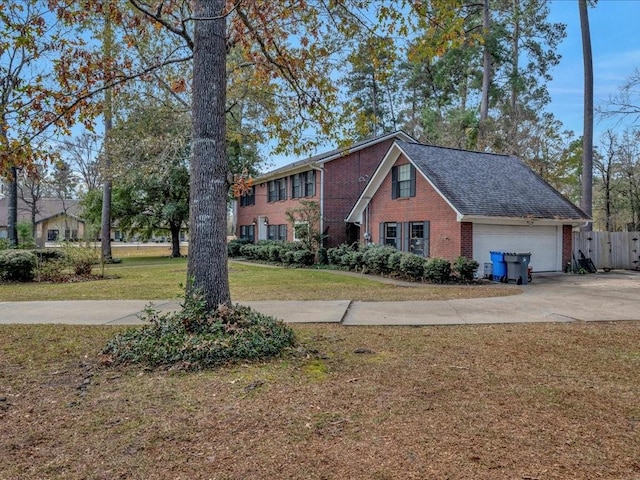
[518,267]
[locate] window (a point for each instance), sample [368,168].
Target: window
[412,237]
[247,232]
[71,234]
[403,179]
[277,232]
[52,235]
[300,231]
[303,184]
[310,183]
[296,190]
[391,234]
[416,240]
[277,190]
[248,198]
[282,232]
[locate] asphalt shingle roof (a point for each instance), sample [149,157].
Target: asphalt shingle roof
[47,208]
[487,184]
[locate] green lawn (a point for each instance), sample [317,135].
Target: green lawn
[150,278]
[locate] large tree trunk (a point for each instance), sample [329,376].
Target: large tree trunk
[586,200]
[207,271]
[12,209]
[105,229]
[486,63]
[175,240]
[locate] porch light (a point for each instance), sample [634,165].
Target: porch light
[266,221]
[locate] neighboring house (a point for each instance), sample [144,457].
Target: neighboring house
[56,219]
[443,202]
[334,179]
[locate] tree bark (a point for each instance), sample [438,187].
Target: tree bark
[105,229]
[175,240]
[207,271]
[12,209]
[586,199]
[486,65]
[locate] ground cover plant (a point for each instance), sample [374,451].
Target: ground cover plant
[527,401]
[195,338]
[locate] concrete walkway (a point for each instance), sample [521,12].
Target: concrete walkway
[550,298]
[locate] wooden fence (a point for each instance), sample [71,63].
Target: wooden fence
[619,250]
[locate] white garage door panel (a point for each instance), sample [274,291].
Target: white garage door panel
[544,243]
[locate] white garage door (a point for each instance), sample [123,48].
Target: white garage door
[544,243]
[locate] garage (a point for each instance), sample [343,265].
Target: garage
[544,243]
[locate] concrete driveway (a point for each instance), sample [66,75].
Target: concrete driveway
[549,298]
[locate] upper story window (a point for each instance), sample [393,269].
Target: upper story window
[403,179]
[249,198]
[277,190]
[303,184]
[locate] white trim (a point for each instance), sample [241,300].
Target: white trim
[520,221]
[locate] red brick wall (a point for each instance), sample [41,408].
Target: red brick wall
[567,244]
[466,231]
[274,211]
[345,179]
[446,233]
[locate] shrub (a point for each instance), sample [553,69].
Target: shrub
[412,266]
[194,338]
[465,269]
[17,265]
[54,270]
[4,243]
[234,246]
[25,235]
[80,259]
[273,253]
[376,258]
[437,270]
[336,254]
[394,262]
[323,258]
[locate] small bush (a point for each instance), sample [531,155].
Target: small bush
[81,259]
[4,243]
[376,258]
[274,253]
[17,265]
[394,262]
[412,266]
[234,246]
[464,269]
[323,258]
[335,255]
[437,270]
[194,338]
[52,271]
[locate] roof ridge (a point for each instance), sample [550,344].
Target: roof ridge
[458,149]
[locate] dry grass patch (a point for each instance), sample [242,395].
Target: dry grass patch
[545,401]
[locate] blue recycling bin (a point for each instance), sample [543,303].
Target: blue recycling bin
[499,270]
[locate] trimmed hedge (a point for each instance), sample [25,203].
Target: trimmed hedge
[17,265]
[287,253]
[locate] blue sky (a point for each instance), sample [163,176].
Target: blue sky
[615,43]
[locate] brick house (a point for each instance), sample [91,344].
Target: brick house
[334,179]
[443,202]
